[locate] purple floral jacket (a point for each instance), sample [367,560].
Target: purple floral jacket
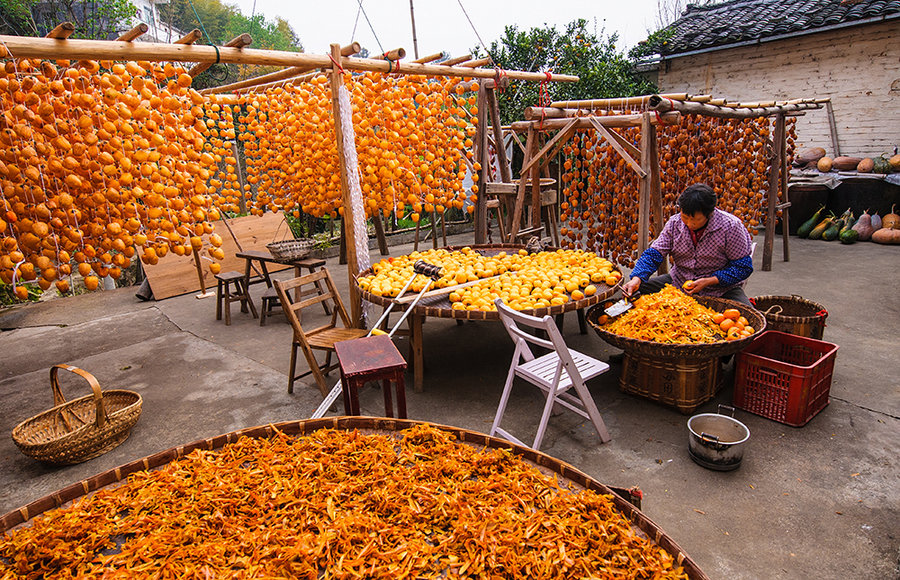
[723,250]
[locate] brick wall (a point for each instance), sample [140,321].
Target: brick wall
[858,67]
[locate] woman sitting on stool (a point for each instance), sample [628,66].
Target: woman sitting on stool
[710,249]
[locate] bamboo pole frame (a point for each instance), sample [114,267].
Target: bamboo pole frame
[239,41]
[664,104]
[274,77]
[29,47]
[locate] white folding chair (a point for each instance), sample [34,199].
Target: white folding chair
[554,373]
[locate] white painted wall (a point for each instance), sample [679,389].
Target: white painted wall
[858,67]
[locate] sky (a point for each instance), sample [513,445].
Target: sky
[441,25]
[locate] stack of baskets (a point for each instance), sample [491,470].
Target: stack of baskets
[75,431]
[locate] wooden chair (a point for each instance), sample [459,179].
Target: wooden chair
[321,338]
[554,373]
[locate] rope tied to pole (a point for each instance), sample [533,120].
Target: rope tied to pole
[544,98]
[336,64]
[499,74]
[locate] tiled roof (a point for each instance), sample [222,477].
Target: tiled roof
[736,21]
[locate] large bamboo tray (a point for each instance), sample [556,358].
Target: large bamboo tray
[568,475]
[684,351]
[440,307]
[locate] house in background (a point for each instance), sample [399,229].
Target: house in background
[147,12]
[760,50]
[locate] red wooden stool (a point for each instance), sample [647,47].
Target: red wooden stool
[367,359]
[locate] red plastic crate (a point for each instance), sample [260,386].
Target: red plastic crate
[784,377]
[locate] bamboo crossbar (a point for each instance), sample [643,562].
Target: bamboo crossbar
[239,41]
[61,31]
[396,54]
[191,37]
[669,118]
[429,58]
[136,32]
[275,77]
[615,102]
[661,104]
[476,63]
[30,47]
[457,60]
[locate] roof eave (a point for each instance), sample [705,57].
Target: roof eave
[872,20]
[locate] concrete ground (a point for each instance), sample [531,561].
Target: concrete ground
[822,501]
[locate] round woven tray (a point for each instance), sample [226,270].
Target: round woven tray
[440,307]
[568,475]
[687,351]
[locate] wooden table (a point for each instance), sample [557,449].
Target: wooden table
[440,307]
[263,257]
[372,358]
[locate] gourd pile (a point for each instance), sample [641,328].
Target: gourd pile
[599,206]
[100,160]
[849,229]
[412,133]
[672,317]
[524,281]
[339,504]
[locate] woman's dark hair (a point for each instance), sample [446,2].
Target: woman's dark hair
[698,197]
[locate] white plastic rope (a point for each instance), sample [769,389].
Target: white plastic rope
[361,243]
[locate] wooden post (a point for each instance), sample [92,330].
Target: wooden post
[481,156]
[644,199]
[412,17]
[530,150]
[832,126]
[536,190]
[379,233]
[434,236]
[242,201]
[203,292]
[349,228]
[499,144]
[191,37]
[772,195]
[786,202]
[656,210]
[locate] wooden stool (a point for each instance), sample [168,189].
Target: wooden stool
[225,296]
[371,359]
[269,301]
[312,264]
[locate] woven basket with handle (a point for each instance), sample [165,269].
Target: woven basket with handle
[75,431]
[289,250]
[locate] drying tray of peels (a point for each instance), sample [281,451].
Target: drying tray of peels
[440,306]
[342,496]
[660,350]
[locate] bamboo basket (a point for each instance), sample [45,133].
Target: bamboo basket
[568,475]
[793,315]
[683,384]
[75,431]
[290,250]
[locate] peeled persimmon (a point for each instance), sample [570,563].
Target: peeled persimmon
[726,324]
[732,313]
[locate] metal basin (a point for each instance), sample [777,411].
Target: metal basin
[716,441]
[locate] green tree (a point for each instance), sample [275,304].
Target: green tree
[92,18]
[221,23]
[604,71]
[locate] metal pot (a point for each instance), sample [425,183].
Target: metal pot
[716,441]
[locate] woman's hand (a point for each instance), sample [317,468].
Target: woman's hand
[631,286]
[692,287]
